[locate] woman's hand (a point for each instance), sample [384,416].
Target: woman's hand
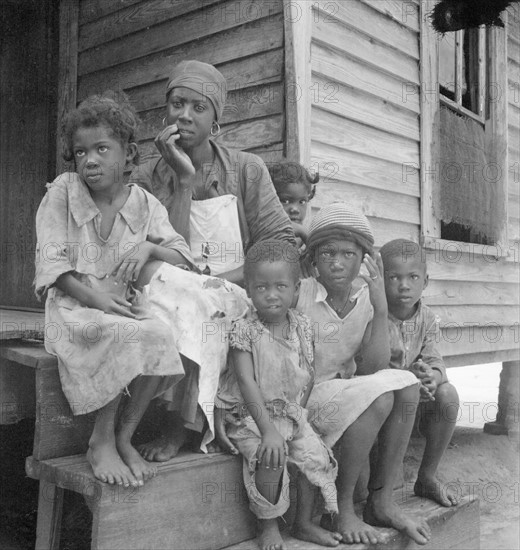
[376,283]
[130,265]
[111,303]
[273,449]
[173,154]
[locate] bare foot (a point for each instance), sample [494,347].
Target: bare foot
[354,531]
[316,534]
[388,514]
[161,449]
[141,469]
[269,537]
[434,489]
[108,465]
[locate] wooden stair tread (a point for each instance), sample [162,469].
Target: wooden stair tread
[15,324]
[61,470]
[437,516]
[30,354]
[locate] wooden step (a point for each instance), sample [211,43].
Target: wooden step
[196,502]
[452,528]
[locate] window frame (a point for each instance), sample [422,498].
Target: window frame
[495,123]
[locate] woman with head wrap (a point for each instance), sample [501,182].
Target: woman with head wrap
[221,201]
[349,311]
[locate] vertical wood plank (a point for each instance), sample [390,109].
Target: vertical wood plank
[496,124]
[298,30]
[50,506]
[429,146]
[68,70]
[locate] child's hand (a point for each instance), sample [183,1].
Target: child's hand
[130,265]
[221,417]
[426,375]
[375,280]
[111,303]
[173,154]
[300,233]
[425,394]
[273,450]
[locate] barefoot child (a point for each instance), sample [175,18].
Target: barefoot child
[272,355]
[351,411]
[95,234]
[295,187]
[414,332]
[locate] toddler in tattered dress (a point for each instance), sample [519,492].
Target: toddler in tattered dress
[272,358]
[95,234]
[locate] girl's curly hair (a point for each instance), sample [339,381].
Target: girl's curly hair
[110,109]
[285,171]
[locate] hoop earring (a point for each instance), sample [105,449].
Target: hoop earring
[217,131]
[164,121]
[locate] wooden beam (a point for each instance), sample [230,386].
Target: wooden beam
[429,146]
[68,70]
[298,30]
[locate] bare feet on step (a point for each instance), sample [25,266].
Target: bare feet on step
[161,449]
[316,534]
[384,513]
[269,537]
[108,465]
[140,468]
[353,530]
[434,489]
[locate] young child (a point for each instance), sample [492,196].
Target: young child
[414,332]
[295,187]
[95,234]
[272,356]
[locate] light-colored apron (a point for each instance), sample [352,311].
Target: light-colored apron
[215,239]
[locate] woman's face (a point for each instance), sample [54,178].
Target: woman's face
[338,263]
[193,114]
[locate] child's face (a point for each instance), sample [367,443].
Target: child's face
[338,263]
[193,114]
[405,280]
[100,158]
[272,289]
[295,199]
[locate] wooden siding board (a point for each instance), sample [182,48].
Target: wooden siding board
[404,13]
[459,293]
[372,202]
[362,47]
[362,170]
[363,139]
[329,62]
[237,74]
[135,18]
[460,268]
[172,33]
[91,10]
[372,23]
[478,315]
[351,103]
[215,49]
[461,340]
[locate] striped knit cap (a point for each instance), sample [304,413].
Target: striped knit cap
[338,221]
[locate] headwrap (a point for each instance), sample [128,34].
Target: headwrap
[202,78]
[338,221]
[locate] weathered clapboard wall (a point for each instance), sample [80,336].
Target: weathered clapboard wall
[366,90]
[513,120]
[132,45]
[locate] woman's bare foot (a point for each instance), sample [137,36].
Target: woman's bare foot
[108,465]
[141,469]
[316,534]
[381,512]
[269,537]
[434,489]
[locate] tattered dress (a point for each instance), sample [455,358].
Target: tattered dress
[339,397]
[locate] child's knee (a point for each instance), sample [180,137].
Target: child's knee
[384,403]
[446,395]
